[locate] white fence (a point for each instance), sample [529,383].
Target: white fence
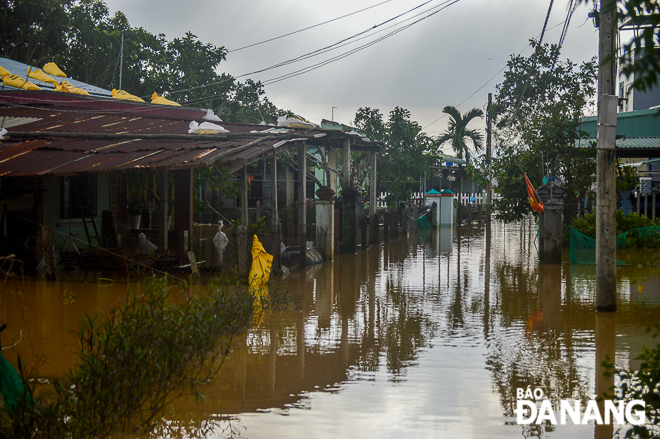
[418,197]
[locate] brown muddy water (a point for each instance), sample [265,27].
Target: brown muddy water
[426,336]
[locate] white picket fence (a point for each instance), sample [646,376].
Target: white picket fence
[418,197]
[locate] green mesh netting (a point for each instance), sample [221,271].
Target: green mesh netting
[11,383]
[583,248]
[423,222]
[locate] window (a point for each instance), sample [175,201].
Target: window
[78,196]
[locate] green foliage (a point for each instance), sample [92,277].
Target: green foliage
[537,113]
[641,384]
[135,359]
[624,223]
[216,179]
[407,154]
[457,132]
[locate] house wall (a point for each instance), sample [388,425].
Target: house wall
[62,228]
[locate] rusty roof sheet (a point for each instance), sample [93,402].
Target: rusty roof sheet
[74,154]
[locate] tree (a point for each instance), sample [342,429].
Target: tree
[537,114]
[641,55]
[457,132]
[407,154]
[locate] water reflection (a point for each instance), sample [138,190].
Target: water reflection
[413,338]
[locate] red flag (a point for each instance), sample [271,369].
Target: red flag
[537,206]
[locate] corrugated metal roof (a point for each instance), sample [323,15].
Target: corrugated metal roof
[20,69]
[74,154]
[639,123]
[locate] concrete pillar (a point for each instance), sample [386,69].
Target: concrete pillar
[605,338]
[163,210]
[447,209]
[349,225]
[302,199]
[183,208]
[325,228]
[550,236]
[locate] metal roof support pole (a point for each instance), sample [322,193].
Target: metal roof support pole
[302,199]
[372,183]
[163,210]
[605,163]
[242,230]
[274,214]
[332,163]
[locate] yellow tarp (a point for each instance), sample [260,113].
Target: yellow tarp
[155,99]
[259,274]
[18,82]
[121,94]
[4,71]
[52,69]
[66,87]
[40,76]
[261,264]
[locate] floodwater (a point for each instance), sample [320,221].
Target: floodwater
[426,336]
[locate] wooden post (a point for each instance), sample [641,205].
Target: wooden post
[372,183]
[193,267]
[646,205]
[373,229]
[163,210]
[275,215]
[332,162]
[302,199]
[605,162]
[346,166]
[183,208]
[49,258]
[386,226]
[364,222]
[244,198]
[653,204]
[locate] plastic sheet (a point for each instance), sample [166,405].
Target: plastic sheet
[40,76]
[66,87]
[18,82]
[155,99]
[205,128]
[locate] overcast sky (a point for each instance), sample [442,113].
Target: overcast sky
[439,61]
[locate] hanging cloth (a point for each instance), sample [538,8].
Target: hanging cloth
[536,205]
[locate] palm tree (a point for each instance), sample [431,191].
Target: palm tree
[457,132]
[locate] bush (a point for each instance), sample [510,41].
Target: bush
[135,359]
[624,223]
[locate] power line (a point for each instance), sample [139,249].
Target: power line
[325,49]
[307,28]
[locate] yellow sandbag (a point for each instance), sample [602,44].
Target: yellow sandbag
[155,99]
[66,87]
[4,71]
[18,82]
[40,76]
[261,264]
[52,69]
[121,94]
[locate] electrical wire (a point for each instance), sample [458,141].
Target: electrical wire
[338,44]
[307,28]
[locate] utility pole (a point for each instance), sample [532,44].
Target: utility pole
[333,113]
[121,58]
[605,162]
[489,152]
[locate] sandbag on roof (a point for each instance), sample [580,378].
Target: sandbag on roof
[40,76]
[155,99]
[121,94]
[52,69]
[66,87]
[18,82]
